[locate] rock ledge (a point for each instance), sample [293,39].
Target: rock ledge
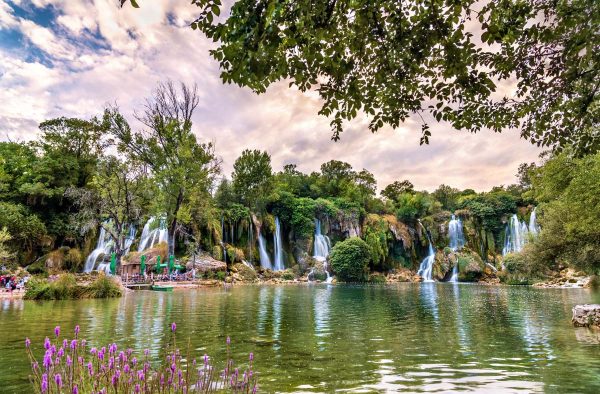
[586,315]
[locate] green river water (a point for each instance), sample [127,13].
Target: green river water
[431,337]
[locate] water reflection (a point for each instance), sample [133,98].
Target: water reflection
[405,337]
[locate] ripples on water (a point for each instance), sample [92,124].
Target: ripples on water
[431,337]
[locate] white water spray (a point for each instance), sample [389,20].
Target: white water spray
[321,250]
[151,235]
[278,248]
[457,241]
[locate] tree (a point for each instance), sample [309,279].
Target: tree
[447,196]
[252,177]
[396,59]
[568,191]
[114,199]
[336,177]
[182,168]
[5,253]
[394,190]
[350,259]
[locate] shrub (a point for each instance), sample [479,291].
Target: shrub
[350,259]
[66,287]
[102,287]
[288,274]
[220,275]
[377,277]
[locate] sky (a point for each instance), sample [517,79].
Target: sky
[73,58]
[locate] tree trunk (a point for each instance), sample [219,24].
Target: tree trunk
[173,226]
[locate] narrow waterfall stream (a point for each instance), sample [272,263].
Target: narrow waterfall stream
[322,246]
[457,241]
[278,266]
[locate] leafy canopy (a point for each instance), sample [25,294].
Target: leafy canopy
[395,59]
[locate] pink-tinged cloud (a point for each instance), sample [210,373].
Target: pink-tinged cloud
[95,53]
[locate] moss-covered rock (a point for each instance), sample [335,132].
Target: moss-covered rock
[243,273]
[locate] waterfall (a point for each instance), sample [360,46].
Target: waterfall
[278,249]
[457,241]
[534,228]
[455,230]
[223,239]
[321,249]
[151,235]
[426,267]
[515,237]
[103,248]
[129,240]
[250,238]
[454,277]
[265,260]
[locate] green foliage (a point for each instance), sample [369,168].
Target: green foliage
[66,287]
[396,189]
[569,217]
[252,177]
[350,259]
[415,205]
[183,169]
[5,253]
[447,196]
[395,59]
[299,213]
[375,234]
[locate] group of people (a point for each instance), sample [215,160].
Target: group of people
[11,282]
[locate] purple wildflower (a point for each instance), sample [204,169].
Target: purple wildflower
[47,343]
[73,344]
[90,368]
[141,375]
[173,327]
[69,361]
[76,330]
[137,388]
[58,380]
[57,331]
[75,389]
[93,351]
[228,340]
[47,359]
[44,383]
[251,356]
[27,343]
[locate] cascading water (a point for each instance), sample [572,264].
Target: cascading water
[265,260]
[278,248]
[457,241]
[426,267]
[103,248]
[455,231]
[515,236]
[153,236]
[223,239]
[129,240]
[321,249]
[534,228]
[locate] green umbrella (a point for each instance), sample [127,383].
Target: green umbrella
[113,263]
[171,263]
[143,265]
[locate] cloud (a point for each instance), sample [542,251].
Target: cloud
[99,54]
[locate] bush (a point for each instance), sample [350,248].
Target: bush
[102,287]
[220,275]
[519,269]
[66,287]
[288,274]
[350,259]
[377,277]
